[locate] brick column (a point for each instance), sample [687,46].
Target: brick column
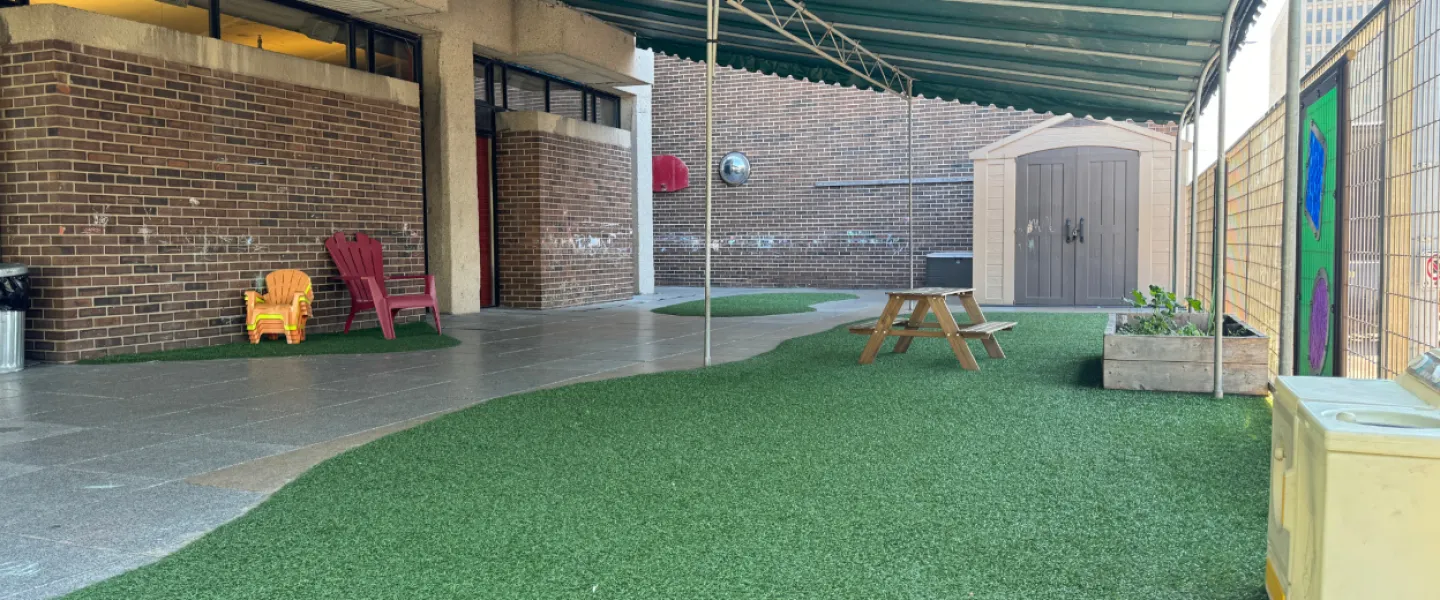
[565,212]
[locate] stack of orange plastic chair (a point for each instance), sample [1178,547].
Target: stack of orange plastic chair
[282,310]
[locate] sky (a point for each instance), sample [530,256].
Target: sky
[1248,87]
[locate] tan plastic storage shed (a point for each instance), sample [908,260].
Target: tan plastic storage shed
[1075,212]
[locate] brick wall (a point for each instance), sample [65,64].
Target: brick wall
[564,220]
[146,194]
[780,229]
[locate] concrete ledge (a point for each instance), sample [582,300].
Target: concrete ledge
[553,37]
[53,22]
[544,122]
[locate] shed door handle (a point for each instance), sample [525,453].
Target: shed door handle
[1069,233]
[1080,230]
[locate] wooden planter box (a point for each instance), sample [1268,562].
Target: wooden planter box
[1185,364]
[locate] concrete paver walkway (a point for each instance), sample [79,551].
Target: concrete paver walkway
[106,468]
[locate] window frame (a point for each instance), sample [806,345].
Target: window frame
[500,70]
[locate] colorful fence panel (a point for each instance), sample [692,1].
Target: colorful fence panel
[1323,134]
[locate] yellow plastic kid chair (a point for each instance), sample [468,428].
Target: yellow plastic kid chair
[282,310]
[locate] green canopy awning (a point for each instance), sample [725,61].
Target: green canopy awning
[1124,59]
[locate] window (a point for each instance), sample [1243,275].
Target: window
[499,87]
[567,101]
[1329,36]
[484,102]
[283,26]
[607,110]
[192,16]
[393,57]
[524,91]
[1308,37]
[482,83]
[361,37]
[278,28]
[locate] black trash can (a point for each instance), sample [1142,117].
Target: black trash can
[14,301]
[950,269]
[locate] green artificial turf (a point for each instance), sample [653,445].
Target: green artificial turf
[753,305]
[410,336]
[796,474]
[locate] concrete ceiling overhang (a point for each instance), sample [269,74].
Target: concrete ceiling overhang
[557,39]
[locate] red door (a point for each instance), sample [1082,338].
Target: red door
[487,237]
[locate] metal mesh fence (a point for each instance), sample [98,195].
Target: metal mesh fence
[1253,229]
[1261,207]
[1237,221]
[1364,177]
[1397,186]
[1204,236]
[1412,219]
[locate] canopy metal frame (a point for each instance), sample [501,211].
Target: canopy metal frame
[1121,59]
[794,22]
[823,39]
[1090,8]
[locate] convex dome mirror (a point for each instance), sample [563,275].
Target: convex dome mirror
[734,169]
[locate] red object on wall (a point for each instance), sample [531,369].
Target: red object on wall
[671,174]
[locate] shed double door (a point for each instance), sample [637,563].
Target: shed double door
[1076,226]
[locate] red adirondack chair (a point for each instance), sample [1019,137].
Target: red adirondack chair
[362,267]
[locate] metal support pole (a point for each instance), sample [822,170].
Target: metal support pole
[1222,192]
[1382,312]
[1175,212]
[1291,200]
[910,181]
[712,35]
[1195,180]
[1195,196]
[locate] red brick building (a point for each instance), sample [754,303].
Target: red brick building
[160,159]
[826,202]
[147,194]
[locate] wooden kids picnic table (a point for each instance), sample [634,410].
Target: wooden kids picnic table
[928,300]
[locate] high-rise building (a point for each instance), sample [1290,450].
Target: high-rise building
[1326,22]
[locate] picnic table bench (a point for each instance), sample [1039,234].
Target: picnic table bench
[933,300]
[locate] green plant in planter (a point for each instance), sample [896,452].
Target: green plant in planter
[1163,307]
